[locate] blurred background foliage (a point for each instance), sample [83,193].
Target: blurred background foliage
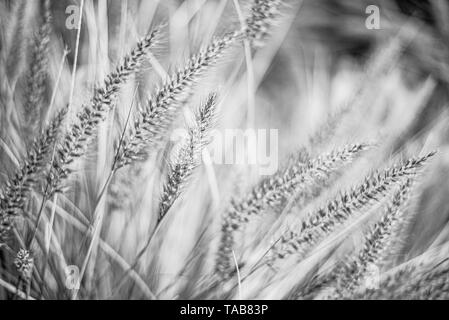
[318,61]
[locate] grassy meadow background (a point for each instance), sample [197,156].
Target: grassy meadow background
[320,77]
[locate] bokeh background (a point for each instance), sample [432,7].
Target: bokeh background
[321,71]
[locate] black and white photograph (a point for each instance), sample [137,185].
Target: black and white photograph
[236,151]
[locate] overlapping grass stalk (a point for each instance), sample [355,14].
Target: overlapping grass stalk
[263,14]
[80,133]
[338,211]
[14,193]
[156,116]
[160,110]
[283,185]
[188,157]
[377,242]
[417,281]
[74,141]
[110,243]
[424,285]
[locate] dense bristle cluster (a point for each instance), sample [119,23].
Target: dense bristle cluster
[78,136]
[13,196]
[156,116]
[376,243]
[430,285]
[188,157]
[424,281]
[269,193]
[326,219]
[24,263]
[263,14]
[74,142]
[99,200]
[161,109]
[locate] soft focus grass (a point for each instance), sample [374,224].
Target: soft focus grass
[319,59]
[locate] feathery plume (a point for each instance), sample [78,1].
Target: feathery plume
[338,211]
[271,191]
[37,75]
[262,15]
[161,109]
[294,179]
[389,286]
[188,157]
[413,282]
[80,133]
[314,287]
[14,193]
[376,244]
[433,285]
[24,263]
